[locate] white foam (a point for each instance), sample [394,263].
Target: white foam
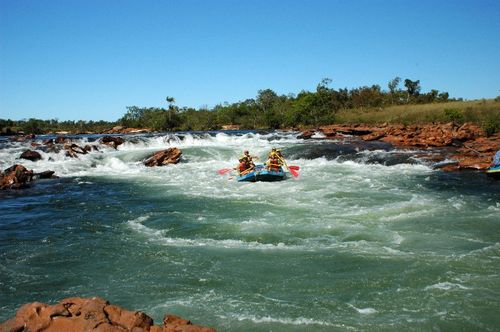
[299,321]
[445,286]
[364,311]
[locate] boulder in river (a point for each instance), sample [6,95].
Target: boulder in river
[72,150]
[62,140]
[15,177]
[18,176]
[164,157]
[91,314]
[31,155]
[112,141]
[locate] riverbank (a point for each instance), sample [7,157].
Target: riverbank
[465,146]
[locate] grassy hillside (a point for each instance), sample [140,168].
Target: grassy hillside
[485,112]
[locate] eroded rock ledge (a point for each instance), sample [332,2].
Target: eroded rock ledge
[77,314]
[467,144]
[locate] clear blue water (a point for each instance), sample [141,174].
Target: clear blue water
[366,238]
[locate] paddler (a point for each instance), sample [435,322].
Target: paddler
[248,160]
[276,153]
[275,160]
[242,166]
[273,163]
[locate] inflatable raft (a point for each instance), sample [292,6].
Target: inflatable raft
[260,173]
[494,172]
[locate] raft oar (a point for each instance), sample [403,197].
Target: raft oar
[292,169]
[224,171]
[294,172]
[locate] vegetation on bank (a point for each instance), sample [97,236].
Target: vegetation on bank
[401,102]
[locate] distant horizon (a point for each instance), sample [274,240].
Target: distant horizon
[89,60]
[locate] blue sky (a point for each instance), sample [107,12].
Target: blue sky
[89,59]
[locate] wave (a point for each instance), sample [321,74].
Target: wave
[349,244]
[446,286]
[299,321]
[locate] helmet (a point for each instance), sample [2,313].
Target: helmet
[245,152]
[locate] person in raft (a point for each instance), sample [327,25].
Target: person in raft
[246,164]
[496,159]
[242,166]
[275,160]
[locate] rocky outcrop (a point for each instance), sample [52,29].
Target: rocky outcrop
[31,155]
[18,176]
[164,157]
[15,177]
[467,143]
[112,141]
[91,314]
[125,130]
[306,134]
[231,127]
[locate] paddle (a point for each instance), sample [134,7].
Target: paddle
[224,171]
[292,169]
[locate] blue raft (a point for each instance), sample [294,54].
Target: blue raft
[260,173]
[494,172]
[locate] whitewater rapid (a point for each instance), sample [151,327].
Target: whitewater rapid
[368,237]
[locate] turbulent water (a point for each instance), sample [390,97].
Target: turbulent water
[366,238]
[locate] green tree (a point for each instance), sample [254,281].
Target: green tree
[394,90]
[412,88]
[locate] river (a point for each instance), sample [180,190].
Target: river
[367,238]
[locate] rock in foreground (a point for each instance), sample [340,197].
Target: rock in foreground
[164,157]
[18,176]
[90,314]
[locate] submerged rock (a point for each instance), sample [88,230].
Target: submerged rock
[164,157]
[91,314]
[31,155]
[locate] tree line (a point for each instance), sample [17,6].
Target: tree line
[267,110]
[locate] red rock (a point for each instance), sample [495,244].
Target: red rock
[164,157]
[373,136]
[91,314]
[306,134]
[112,141]
[31,155]
[125,130]
[15,177]
[61,140]
[72,150]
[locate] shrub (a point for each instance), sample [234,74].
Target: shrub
[491,126]
[453,114]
